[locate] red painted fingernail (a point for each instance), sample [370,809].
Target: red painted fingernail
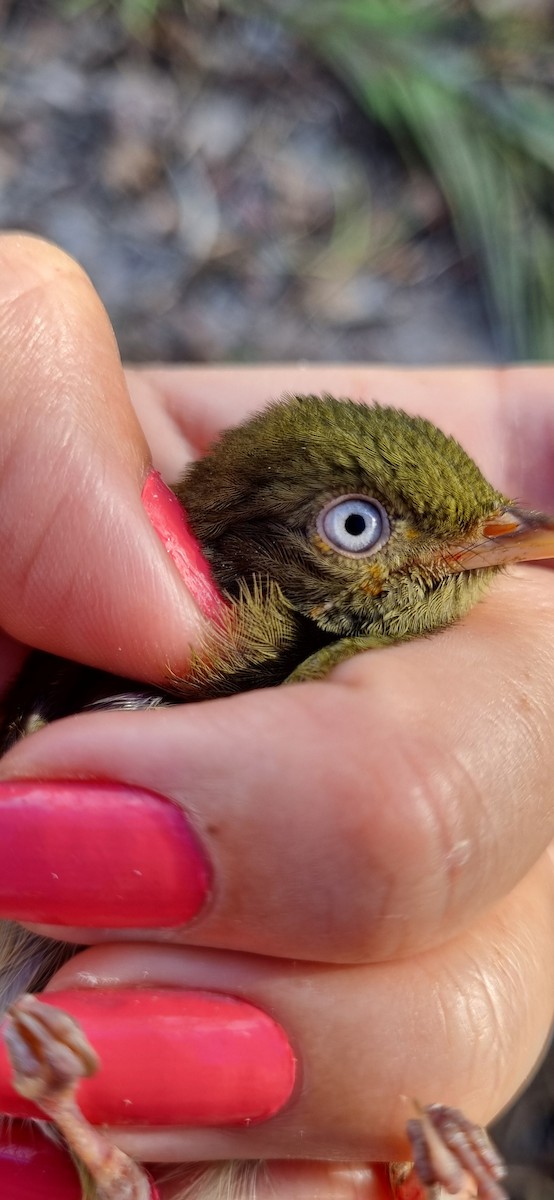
[100,855]
[170,1057]
[168,518]
[32,1167]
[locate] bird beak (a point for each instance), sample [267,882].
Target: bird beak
[509,535]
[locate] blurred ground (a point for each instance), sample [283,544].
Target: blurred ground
[229,202]
[224,194]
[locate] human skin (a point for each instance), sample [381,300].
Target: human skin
[414,787]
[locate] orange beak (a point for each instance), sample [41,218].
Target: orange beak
[509,535]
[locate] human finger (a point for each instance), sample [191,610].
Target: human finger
[84,574]
[330,1051]
[361,819]
[34,1167]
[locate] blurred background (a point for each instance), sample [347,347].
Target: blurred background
[263,180]
[272,179]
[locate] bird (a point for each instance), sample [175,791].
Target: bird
[331,528]
[335,527]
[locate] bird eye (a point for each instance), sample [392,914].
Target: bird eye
[354,525]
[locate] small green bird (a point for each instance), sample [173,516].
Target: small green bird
[331,528]
[335,527]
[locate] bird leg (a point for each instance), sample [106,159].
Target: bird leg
[50,1054]
[450,1152]
[318,665]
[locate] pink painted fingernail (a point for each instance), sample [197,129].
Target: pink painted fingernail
[170,1057]
[168,518]
[32,1167]
[100,855]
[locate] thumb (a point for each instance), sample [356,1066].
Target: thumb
[84,574]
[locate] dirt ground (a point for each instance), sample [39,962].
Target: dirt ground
[230,203]
[225,196]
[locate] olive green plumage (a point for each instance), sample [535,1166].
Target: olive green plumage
[254,500]
[303,449]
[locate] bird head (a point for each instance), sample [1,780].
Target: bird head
[369,520]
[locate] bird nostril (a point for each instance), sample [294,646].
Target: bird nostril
[509,536]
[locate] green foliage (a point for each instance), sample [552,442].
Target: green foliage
[460,88]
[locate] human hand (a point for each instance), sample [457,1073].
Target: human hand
[386,829]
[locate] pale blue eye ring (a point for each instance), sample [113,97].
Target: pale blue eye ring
[354,525]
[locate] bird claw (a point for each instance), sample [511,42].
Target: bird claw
[50,1054]
[48,1051]
[450,1152]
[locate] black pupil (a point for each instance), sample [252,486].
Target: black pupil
[355,524]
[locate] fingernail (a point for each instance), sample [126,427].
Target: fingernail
[168,518]
[100,855]
[32,1167]
[170,1057]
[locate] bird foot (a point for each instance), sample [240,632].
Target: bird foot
[449,1152]
[50,1054]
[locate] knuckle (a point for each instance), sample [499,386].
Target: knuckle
[403,851]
